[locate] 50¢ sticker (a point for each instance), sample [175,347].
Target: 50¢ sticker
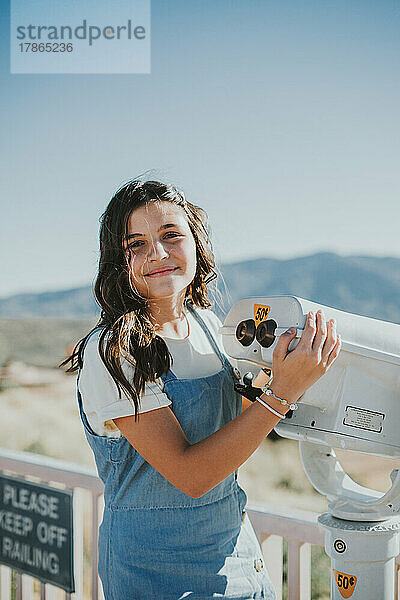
[346,583]
[260,313]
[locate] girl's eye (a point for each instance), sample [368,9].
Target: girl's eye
[134,245]
[172,233]
[139,243]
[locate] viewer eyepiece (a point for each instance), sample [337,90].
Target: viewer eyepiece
[265,333]
[246,332]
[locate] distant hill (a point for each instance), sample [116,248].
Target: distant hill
[73,303]
[365,285]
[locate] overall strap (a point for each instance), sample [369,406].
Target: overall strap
[208,333]
[222,357]
[225,363]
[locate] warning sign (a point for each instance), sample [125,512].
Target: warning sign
[36,531]
[346,583]
[260,313]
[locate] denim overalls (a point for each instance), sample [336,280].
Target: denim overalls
[157,543]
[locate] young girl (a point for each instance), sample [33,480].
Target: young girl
[159,410]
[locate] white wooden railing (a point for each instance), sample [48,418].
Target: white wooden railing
[298,528]
[301,530]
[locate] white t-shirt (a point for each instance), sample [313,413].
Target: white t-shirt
[193,357]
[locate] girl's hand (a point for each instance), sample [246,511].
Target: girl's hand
[319,346]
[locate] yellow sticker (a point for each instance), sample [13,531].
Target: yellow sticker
[346,583]
[260,313]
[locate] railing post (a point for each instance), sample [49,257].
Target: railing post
[272,549]
[97,516]
[78,506]
[95,551]
[53,593]
[299,570]
[5,583]
[18,586]
[27,587]
[42,591]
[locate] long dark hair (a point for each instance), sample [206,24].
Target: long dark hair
[125,316]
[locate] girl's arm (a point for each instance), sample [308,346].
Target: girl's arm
[197,468]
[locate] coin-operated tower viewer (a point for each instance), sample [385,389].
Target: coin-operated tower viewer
[354,406]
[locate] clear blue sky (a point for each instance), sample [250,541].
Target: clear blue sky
[281,119]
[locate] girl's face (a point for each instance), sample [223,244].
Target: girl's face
[160,249]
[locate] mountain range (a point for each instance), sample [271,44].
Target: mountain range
[365,285]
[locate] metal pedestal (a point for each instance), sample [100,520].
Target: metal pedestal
[363,557]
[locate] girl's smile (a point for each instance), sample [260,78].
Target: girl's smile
[161,273]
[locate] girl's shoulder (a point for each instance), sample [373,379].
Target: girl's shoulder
[91,356]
